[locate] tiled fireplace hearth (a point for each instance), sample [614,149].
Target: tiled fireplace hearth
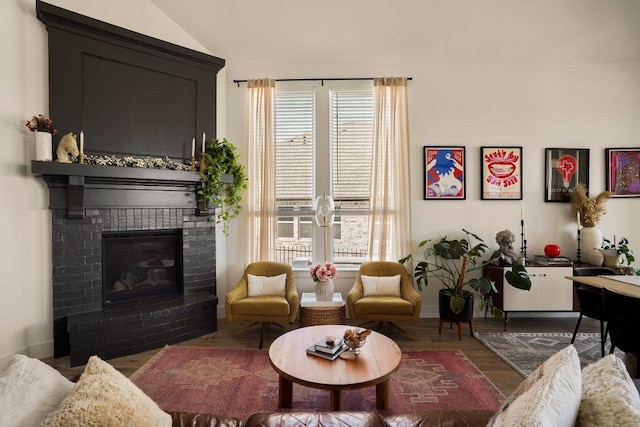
[84,322]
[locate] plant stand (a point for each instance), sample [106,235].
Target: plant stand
[459,323]
[446,315]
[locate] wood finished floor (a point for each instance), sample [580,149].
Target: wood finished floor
[425,331]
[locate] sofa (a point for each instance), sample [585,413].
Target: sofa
[558,393]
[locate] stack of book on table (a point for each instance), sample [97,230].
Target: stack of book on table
[546,260]
[327,350]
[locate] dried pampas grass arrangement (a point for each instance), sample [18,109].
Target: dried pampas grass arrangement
[591,209]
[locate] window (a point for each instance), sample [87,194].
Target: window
[323,145]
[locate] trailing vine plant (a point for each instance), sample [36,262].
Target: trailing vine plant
[223,180]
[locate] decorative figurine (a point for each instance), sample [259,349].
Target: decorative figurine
[505,239]
[67,145]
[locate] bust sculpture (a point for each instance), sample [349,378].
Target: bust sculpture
[505,239]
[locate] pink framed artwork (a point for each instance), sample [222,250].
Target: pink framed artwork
[444,173]
[623,171]
[501,173]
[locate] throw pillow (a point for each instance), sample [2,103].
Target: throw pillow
[267,285]
[609,396]
[380,285]
[105,397]
[549,396]
[29,391]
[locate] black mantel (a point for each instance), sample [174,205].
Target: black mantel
[77,187]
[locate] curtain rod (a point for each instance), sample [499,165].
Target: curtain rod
[321,80]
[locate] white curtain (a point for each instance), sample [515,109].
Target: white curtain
[390,218]
[261,203]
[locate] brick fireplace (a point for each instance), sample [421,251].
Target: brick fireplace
[112,202]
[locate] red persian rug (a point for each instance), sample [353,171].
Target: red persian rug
[238,382]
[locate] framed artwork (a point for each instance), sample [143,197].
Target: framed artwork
[623,171]
[444,173]
[565,168]
[501,173]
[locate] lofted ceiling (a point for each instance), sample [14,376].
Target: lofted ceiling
[412,30]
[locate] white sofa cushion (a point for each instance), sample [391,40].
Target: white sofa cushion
[104,397]
[609,396]
[549,396]
[380,285]
[29,391]
[266,285]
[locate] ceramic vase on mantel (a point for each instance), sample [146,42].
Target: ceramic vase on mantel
[43,147]
[591,242]
[324,290]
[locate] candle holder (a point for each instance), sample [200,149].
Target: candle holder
[81,161]
[578,251]
[203,165]
[523,246]
[193,163]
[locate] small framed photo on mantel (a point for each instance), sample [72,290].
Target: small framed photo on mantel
[623,171]
[444,173]
[501,173]
[565,168]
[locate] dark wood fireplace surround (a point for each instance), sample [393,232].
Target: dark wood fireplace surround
[132,95]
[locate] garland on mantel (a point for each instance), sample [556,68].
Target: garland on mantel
[133,162]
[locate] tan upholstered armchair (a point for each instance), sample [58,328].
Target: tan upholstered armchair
[264,309]
[385,308]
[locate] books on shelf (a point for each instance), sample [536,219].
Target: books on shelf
[558,260]
[329,347]
[329,356]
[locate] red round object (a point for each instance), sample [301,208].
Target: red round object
[552,250]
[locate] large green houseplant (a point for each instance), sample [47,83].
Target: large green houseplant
[223,180]
[449,260]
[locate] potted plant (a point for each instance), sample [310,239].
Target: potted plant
[223,180]
[614,252]
[448,261]
[589,211]
[44,131]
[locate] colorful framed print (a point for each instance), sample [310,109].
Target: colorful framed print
[623,171]
[565,168]
[501,173]
[444,173]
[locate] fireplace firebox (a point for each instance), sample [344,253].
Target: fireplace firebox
[141,264]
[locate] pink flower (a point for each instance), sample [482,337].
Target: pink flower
[320,272]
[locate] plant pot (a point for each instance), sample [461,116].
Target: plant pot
[611,258]
[444,295]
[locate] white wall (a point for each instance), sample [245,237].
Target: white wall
[26,314]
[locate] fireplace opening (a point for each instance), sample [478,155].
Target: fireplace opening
[141,264]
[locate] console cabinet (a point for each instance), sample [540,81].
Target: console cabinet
[550,291]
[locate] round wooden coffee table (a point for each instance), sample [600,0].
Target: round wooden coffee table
[377,361]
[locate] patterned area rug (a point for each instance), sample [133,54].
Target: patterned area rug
[238,383]
[524,352]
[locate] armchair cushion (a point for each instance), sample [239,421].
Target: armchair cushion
[267,305]
[383,305]
[380,285]
[266,285]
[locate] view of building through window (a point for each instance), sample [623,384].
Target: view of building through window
[317,154]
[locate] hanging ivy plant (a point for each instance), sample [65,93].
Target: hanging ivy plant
[223,180]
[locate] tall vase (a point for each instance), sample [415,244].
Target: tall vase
[324,290]
[591,242]
[43,147]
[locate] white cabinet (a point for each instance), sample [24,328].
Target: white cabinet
[550,291]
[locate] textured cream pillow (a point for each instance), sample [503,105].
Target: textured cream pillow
[609,396]
[373,286]
[104,397]
[549,396]
[29,391]
[266,285]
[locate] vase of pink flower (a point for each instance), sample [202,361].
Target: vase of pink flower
[44,131]
[323,275]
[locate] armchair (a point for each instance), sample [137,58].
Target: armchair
[267,308]
[402,307]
